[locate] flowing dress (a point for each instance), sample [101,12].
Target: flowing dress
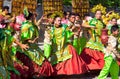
[61,53]
[33,57]
[92,53]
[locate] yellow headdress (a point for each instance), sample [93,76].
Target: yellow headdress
[57,13]
[106,18]
[99,7]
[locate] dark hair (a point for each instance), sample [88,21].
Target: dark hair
[56,17]
[77,14]
[114,18]
[49,14]
[29,16]
[65,13]
[5,7]
[97,10]
[71,14]
[85,15]
[114,28]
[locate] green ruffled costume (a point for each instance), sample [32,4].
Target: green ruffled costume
[111,66]
[6,62]
[59,50]
[28,32]
[79,44]
[95,42]
[109,29]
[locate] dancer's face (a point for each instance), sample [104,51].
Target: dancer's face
[6,11]
[50,20]
[98,14]
[77,18]
[57,22]
[114,21]
[116,32]
[72,18]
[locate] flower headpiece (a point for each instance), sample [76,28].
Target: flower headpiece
[99,7]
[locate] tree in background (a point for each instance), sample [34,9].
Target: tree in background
[67,2]
[106,3]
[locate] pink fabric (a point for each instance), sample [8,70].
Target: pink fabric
[2,25]
[64,21]
[20,19]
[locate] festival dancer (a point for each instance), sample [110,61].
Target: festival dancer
[76,38]
[4,73]
[6,51]
[66,16]
[33,57]
[74,26]
[113,22]
[92,54]
[111,54]
[60,53]
[84,33]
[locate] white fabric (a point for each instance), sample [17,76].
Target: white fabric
[47,38]
[111,48]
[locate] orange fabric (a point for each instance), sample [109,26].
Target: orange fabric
[93,58]
[75,65]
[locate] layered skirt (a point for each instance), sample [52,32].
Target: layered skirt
[74,65]
[93,58]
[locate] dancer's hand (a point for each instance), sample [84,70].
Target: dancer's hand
[24,47]
[33,41]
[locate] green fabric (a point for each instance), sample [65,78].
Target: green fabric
[3,71]
[28,32]
[59,48]
[95,42]
[13,51]
[25,11]
[2,36]
[69,34]
[111,67]
[47,51]
[109,29]
[13,69]
[6,47]
[82,42]
[5,56]
[34,53]
[79,44]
